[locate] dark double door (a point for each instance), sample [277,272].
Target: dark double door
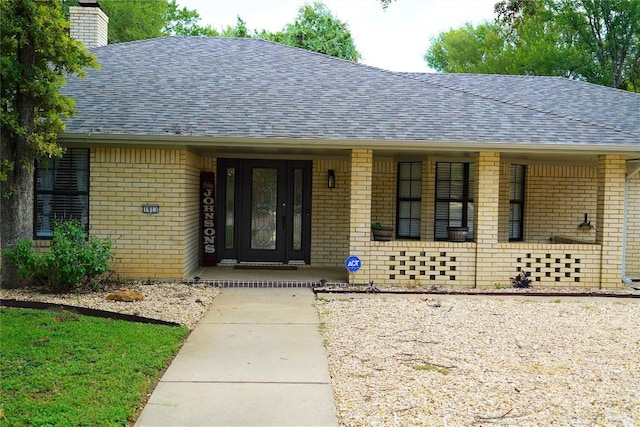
[264,212]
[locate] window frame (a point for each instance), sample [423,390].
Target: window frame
[413,216]
[465,200]
[64,192]
[517,201]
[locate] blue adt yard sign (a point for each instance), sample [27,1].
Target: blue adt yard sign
[353,263]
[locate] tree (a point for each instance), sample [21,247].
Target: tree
[36,55]
[385,3]
[483,49]
[316,29]
[184,22]
[239,31]
[593,40]
[139,20]
[608,32]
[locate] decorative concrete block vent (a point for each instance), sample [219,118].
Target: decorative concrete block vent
[436,267]
[550,267]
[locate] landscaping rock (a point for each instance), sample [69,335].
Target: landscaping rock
[125,296]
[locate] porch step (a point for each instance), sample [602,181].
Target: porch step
[263,283]
[264,267]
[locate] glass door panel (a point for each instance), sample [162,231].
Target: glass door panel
[230,209]
[297,210]
[264,206]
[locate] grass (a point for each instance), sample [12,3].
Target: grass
[61,368]
[432,367]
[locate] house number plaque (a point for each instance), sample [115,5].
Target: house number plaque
[151,209]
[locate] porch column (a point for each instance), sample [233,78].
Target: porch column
[360,212]
[486,216]
[610,211]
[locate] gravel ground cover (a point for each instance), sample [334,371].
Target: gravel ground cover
[465,361]
[174,302]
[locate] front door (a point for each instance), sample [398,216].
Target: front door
[265,206]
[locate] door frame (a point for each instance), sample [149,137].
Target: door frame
[232,241]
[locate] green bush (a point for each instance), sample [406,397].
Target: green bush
[71,258]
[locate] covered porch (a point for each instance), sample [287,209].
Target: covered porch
[556,247]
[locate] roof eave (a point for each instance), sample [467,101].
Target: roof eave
[184,141]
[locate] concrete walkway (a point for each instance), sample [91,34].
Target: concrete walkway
[255,359]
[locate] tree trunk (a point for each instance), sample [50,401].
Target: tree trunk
[16,215]
[16,193]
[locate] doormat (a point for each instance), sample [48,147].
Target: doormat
[264,267]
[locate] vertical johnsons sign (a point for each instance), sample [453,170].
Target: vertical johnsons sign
[207,217]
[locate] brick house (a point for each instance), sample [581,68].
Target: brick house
[301,153]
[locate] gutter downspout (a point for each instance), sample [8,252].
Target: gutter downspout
[626,279]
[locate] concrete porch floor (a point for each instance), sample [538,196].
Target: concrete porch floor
[226,276]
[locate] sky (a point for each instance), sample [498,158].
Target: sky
[395,39]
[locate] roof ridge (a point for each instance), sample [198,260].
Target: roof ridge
[520,104]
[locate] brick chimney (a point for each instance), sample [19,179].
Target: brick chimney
[88,23]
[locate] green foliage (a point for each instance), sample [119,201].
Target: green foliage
[184,22]
[60,368]
[427,366]
[593,40]
[239,31]
[607,33]
[71,258]
[25,258]
[317,30]
[37,55]
[140,20]
[468,49]
[385,3]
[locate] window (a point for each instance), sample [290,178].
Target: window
[454,197]
[409,199]
[230,204]
[516,202]
[62,191]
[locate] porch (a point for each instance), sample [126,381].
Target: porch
[556,246]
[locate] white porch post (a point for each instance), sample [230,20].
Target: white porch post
[486,216]
[610,217]
[360,212]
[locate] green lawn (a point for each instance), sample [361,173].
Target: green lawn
[62,369]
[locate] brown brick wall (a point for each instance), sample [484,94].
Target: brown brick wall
[122,180]
[556,199]
[360,210]
[633,228]
[486,215]
[330,214]
[611,179]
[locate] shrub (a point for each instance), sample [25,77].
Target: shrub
[72,258]
[522,280]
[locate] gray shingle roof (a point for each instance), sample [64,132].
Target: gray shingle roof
[225,87]
[580,101]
